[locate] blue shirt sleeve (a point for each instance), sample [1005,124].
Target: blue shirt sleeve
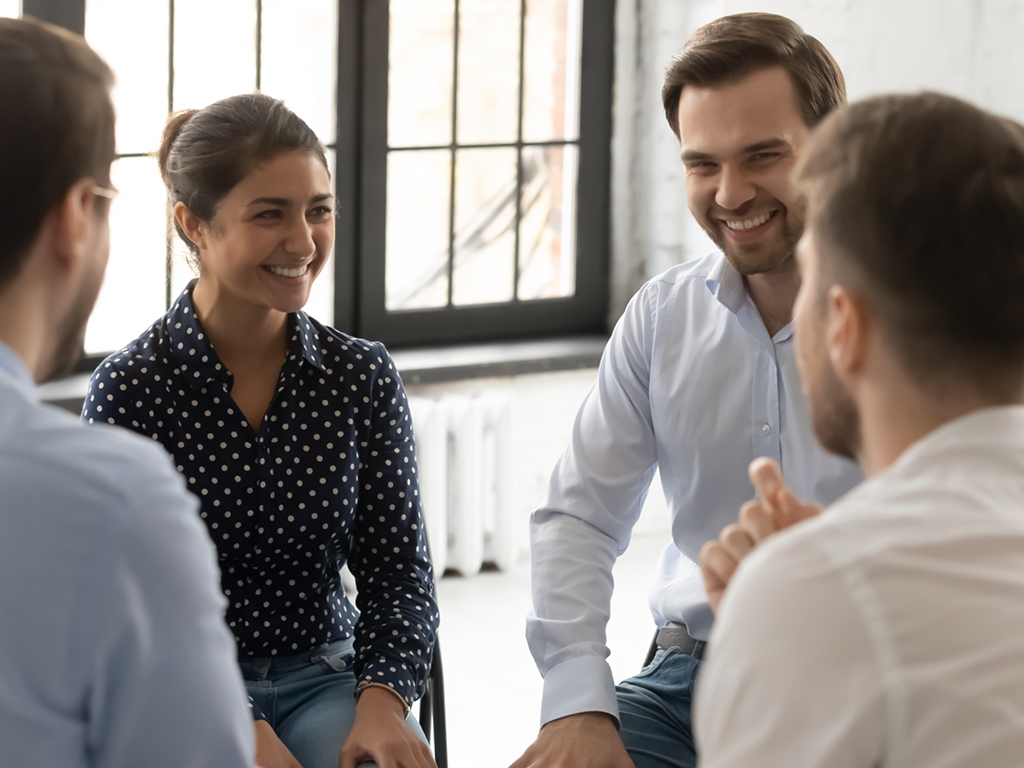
[166,691]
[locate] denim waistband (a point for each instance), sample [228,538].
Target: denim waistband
[270,665]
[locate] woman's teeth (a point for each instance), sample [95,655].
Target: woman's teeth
[749,223]
[286,272]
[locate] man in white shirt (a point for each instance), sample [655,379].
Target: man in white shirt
[699,378]
[890,629]
[113,648]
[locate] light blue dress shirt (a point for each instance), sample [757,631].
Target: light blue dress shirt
[691,384]
[113,649]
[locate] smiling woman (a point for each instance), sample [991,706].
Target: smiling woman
[295,437]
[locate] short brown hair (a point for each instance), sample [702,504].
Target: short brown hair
[56,127]
[732,47]
[918,201]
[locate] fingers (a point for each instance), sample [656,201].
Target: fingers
[410,752]
[717,567]
[737,541]
[770,486]
[766,476]
[757,521]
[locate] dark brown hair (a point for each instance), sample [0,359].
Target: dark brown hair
[918,201]
[732,47]
[205,153]
[56,128]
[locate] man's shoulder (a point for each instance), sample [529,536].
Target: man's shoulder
[689,274]
[142,355]
[50,455]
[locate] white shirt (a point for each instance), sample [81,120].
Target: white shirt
[690,383]
[113,649]
[888,631]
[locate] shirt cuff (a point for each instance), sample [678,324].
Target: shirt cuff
[579,684]
[367,684]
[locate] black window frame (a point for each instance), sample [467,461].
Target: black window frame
[360,186]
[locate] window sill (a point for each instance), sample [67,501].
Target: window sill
[428,366]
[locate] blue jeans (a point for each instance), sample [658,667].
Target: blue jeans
[654,710]
[308,700]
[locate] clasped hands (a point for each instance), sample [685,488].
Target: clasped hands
[774,509]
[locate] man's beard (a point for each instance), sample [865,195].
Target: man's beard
[751,260]
[834,415]
[71,334]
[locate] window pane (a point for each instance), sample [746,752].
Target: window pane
[485,215]
[133,38]
[214,50]
[552,70]
[547,234]
[420,52]
[10,9]
[321,298]
[488,110]
[308,83]
[416,260]
[133,291]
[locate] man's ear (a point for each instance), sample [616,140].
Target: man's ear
[190,225]
[847,332]
[72,223]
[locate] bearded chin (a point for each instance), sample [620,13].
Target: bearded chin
[835,418]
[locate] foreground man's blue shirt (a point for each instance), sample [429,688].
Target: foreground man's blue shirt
[113,649]
[691,384]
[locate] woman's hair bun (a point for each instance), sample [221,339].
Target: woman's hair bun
[175,122]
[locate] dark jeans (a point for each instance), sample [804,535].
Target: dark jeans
[654,709]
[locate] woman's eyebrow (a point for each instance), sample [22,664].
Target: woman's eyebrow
[283,201]
[280,201]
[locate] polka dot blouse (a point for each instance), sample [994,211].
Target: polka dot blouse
[329,477]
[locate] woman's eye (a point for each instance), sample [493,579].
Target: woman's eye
[271,214]
[322,210]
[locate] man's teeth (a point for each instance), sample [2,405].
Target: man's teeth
[749,223]
[285,272]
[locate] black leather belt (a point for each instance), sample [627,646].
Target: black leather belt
[676,636]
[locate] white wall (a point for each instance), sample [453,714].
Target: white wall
[969,48]
[544,408]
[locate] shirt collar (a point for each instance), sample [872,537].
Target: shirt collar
[726,285]
[12,368]
[197,358]
[1001,426]
[304,340]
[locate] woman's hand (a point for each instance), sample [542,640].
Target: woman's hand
[270,750]
[380,734]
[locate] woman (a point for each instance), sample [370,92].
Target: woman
[297,440]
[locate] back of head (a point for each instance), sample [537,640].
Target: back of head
[918,201]
[205,153]
[732,47]
[56,127]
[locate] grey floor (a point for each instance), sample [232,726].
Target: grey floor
[492,685]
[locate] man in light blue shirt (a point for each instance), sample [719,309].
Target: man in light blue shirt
[697,380]
[113,649]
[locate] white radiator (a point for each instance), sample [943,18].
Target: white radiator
[464,448]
